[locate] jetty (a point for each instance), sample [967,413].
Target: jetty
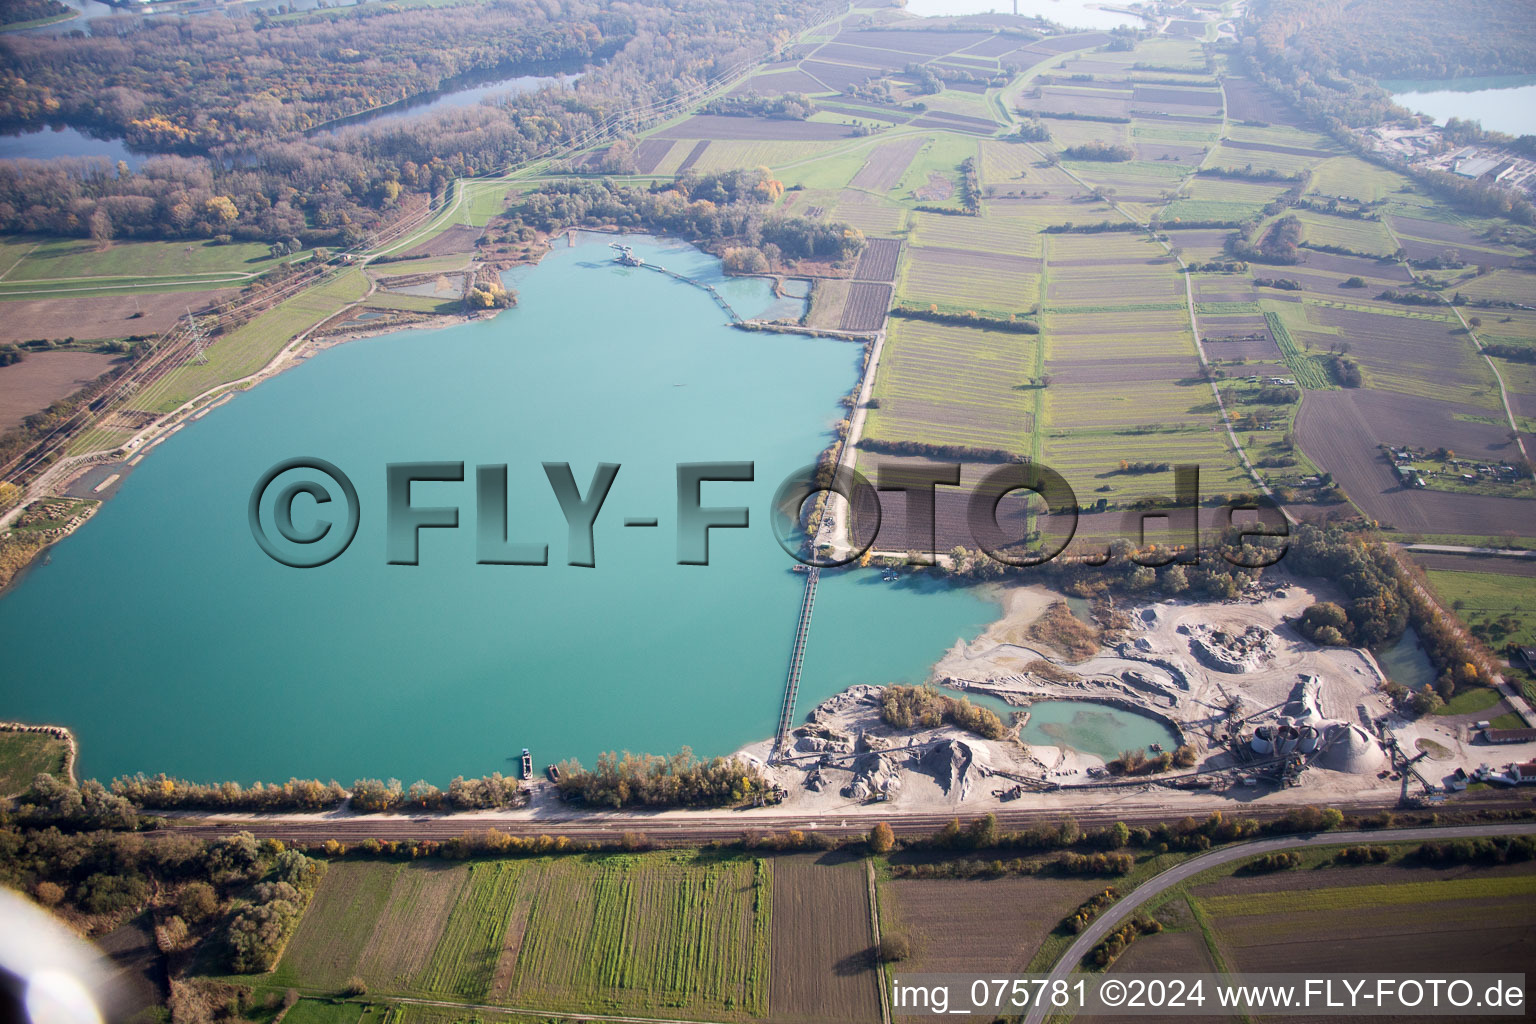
[626,258]
[796,662]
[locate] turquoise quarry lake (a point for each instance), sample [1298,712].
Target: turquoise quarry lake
[1502,103]
[164,637]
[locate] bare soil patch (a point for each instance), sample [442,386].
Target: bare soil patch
[43,378]
[1477,563]
[838,76]
[96,317]
[823,963]
[982,925]
[939,187]
[1249,101]
[650,153]
[457,239]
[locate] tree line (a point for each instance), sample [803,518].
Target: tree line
[163,793]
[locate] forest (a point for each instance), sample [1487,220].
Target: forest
[707,209]
[235,97]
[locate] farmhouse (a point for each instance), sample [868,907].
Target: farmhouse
[1509,735]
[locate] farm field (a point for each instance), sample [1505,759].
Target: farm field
[821,938]
[1483,599]
[632,933]
[1478,919]
[96,316]
[969,925]
[43,378]
[866,307]
[944,384]
[61,259]
[956,277]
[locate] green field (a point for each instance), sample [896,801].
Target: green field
[72,259]
[615,933]
[247,349]
[24,755]
[1499,609]
[1366,897]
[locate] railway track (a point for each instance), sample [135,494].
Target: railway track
[703,827]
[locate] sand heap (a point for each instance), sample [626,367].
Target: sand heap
[1351,749]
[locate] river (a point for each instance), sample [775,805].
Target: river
[1501,103]
[165,638]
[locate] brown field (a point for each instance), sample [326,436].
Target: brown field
[822,963]
[868,302]
[1163,96]
[1167,952]
[1247,100]
[837,77]
[1062,101]
[884,113]
[1351,266]
[100,316]
[1420,249]
[43,378]
[1467,934]
[1339,431]
[878,260]
[1102,371]
[780,82]
[994,46]
[1435,231]
[718,127]
[1525,567]
[650,153]
[863,56]
[1414,355]
[981,925]
[933,120]
[951,509]
[457,239]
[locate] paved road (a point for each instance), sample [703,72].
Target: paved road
[1118,912]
